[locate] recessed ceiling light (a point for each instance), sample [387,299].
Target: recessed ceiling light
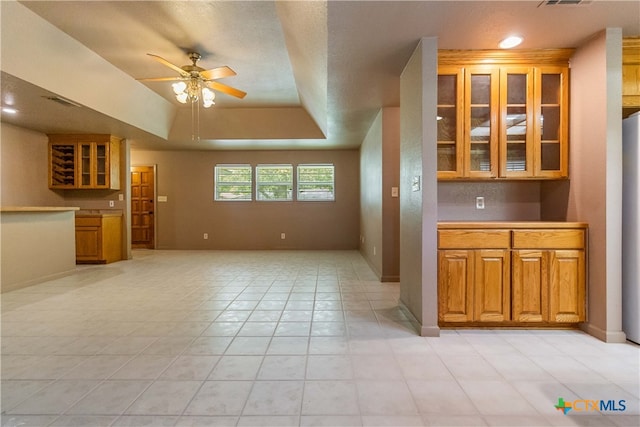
[511,41]
[9,110]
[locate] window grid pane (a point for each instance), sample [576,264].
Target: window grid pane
[233,182]
[316,182]
[274,182]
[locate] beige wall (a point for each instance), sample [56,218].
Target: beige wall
[379,211]
[504,201]
[371,167]
[186,179]
[390,204]
[418,209]
[36,246]
[24,169]
[596,174]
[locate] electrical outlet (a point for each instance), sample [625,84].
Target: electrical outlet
[111,203]
[282,236]
[479,202]
[205,236]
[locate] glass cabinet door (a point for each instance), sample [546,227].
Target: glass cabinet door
[551,132]
[94,164]
[85,164]
[102,162]
[481,136]
[449,122]
[516,132]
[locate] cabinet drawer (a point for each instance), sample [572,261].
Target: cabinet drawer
[473,239]
[548,239]
[88,221]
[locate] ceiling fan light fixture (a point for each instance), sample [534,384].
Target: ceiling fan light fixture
[510,42]
[207,97]
[179,87]
[182,97]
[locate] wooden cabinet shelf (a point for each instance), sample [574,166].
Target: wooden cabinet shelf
[511,275]
[503,115]
[84,162]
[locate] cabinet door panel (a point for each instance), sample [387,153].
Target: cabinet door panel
[516,122]
[492,286]
[455,291]
[481,124]
[86,165]
[551,132]
[530,274]
[450,122]
[88,243]
[567,286]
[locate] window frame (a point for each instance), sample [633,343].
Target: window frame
[299,182]
[259,184]
[216,193]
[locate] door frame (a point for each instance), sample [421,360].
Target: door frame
[155,202]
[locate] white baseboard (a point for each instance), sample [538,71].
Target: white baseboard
[602,335]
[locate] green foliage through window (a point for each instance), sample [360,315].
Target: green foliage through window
[274,182]
[233,182]
[316,182]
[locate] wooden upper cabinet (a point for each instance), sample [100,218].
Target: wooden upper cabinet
[84,162]
[503,115]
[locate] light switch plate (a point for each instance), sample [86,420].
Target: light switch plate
[162,198]
[479,202]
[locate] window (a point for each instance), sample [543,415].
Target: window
[274,182]
[316,182]
[233,182]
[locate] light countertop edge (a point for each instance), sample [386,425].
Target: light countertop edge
[38,208]
[510,224]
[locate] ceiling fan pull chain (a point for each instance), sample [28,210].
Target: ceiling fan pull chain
[193,121]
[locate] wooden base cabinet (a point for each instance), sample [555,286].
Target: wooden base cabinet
[455,285]
[530,286]
[98,238]
[492,298]
[533,277]
[473,276]
[566,288]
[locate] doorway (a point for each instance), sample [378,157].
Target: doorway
[142,207]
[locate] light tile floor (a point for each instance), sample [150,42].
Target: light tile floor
[199,338]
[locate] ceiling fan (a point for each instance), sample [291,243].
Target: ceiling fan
[195,82]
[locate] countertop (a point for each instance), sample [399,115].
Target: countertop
[37,208]
[511,224]
[98,213]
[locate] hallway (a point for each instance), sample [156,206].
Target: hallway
[225,338]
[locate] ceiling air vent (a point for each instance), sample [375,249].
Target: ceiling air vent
[62,101]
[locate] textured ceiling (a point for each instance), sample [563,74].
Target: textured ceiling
[316,73]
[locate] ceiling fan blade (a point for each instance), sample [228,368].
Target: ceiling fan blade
[227,89]
[169,64]
[217,73]
[160,79]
